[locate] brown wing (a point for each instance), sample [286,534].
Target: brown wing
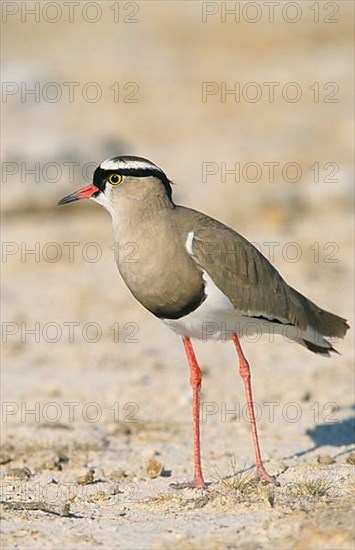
[250,282]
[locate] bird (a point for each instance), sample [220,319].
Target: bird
[202,279]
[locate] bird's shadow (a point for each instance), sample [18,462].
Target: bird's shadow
[334,434]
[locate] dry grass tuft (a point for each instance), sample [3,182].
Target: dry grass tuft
[350,459]
[310,487]
[236,482]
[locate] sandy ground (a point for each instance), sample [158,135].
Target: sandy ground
[96,401]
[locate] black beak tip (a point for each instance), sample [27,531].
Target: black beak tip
[69,198]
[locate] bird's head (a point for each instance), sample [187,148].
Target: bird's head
[123,177]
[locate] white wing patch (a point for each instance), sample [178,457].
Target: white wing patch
[189,243]
[215,297]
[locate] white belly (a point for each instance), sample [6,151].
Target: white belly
[216,318]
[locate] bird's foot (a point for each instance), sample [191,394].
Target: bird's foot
[262,475]
[195,484]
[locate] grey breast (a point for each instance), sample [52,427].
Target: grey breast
[161,275]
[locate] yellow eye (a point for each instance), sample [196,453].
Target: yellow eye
[115,179]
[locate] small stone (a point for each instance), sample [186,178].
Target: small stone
[154,468]
[350,459]
[87,478]
[61,458]
[22,474]
[4,458]
[306,396]
[118,475]
[116,490]
[265,524]
[49,464]
[325,460]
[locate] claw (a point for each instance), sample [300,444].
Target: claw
[262,475]
[195,484]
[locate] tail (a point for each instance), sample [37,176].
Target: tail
[315,323]
[325,349]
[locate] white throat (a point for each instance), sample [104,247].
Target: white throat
[104,201]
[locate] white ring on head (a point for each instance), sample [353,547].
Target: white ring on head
[113,164]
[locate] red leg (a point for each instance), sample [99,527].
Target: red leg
[195,380]
[244,371]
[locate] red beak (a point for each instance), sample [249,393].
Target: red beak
[84,193]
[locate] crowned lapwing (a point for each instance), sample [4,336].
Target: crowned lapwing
[201,278]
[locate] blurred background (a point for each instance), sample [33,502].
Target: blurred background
[198,91]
